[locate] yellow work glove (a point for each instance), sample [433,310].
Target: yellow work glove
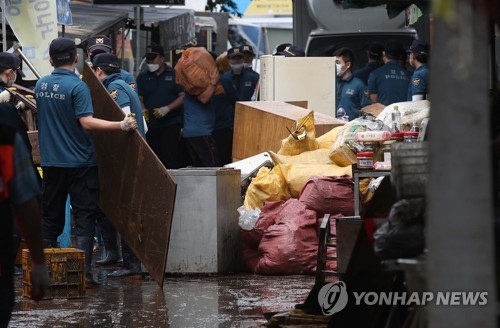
[160,112]
[129,123]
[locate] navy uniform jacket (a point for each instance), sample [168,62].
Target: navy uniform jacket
[123,95]
[244,84]
[351,95]
[419,82]
[159,91]
[364,72]
[390,83]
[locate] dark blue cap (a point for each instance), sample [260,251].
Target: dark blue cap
[153,50]
[99,42]
[9,61]
[419,47]
[234,52]
[105,60]
[393,49]
[292,51]
[62,48]
[246,49]
[376,49]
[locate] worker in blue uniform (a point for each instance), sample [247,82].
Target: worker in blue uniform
[162,100]
[99,44]
[67,153]
[418,57]
[389,84]
[374,53]
[107,69]
[350,90]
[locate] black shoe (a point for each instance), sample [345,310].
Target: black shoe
[111,258]
[125,273]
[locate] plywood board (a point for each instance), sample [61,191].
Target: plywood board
[259,126]
[137,193]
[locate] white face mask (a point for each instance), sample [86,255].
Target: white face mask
[247,65]
[237,68]
[340,72]
[153,67]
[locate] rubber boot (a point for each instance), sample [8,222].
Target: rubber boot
[86,244]
[131,265]
[109,236]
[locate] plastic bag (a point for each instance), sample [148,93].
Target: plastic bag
[247,218]
[267,185]
[402,235]
[318,156]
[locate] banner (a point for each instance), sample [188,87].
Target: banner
[64,16]
[34,23]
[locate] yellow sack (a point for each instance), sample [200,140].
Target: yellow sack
[302,138]
[296,175]
[318,156]
[365,192]
[327,140]
[266,186]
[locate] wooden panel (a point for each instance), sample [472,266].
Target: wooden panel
[35,148]
[260,126]
[137,193]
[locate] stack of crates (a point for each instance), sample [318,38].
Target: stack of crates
[66,271]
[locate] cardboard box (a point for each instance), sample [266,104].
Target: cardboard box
[259,126]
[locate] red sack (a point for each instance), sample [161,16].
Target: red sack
[250,239]
[329,195]
[290,245]
[193,69]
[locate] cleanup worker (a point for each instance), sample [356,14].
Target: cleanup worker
[65,118]
[350,90]
[418,57]
[19,192]
[107,69]
[389,84]
[162,100]
[99,44]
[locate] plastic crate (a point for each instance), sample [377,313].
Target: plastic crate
[66,271]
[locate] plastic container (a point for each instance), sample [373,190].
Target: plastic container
[410,136]
[395,115]
[365,160]
[372,136]
[65,265]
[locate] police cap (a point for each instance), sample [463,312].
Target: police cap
[62,48]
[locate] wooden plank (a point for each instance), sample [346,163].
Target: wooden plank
[35,148]
[136,191]
[260,126]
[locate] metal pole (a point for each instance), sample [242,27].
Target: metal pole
[4,27]
[33,69]
[138,23]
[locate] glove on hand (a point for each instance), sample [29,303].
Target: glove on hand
[40,280]
[20,105]
[129,123]
[145,113]
[4,96]
[160,112]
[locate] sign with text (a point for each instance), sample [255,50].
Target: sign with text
[34,24]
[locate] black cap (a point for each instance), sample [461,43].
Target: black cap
[105,60]
[234,52]
[375,49]
[330,50]
[154,50]
[419,47]
[281,47]
[9,61]
[246,49]
[292,51]
[62,48]
[393,49]
[99,42]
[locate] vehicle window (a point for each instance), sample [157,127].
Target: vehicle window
[357,43]
[239,35]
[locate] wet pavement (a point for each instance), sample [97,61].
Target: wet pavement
[238,301]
